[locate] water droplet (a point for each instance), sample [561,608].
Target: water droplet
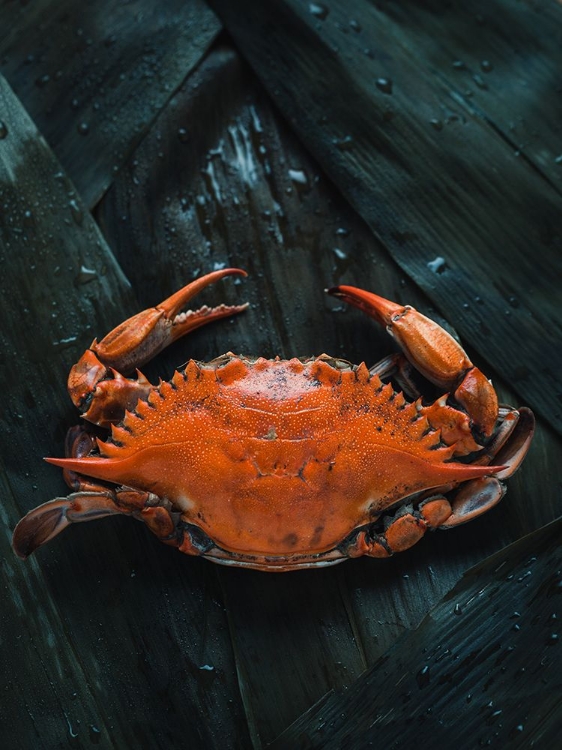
[42,81]
[486,66]
[438,265]
[344,144]
[384,85]
[494,716]
[437,124]
[3,130]
[423,677]
[73,733]
[355,25]
[318,11]
[86,275]
[298,176]
[95,734]
[77,213]
[342,232]
[83,128]
[458,609]
[459,65]
[183,135]
[479,81]
[516,731]
[552,639]
[340,254]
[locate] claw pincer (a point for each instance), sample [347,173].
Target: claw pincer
[133,343]
[282,464]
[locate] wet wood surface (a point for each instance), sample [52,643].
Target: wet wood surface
[464,677]
[429,158]
[110,638]
[93,76]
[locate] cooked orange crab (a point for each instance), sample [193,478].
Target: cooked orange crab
[282,464]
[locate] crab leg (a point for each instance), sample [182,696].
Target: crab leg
[96,383]
[46,521]
[433,352]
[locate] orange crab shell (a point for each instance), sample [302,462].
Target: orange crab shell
[276,457]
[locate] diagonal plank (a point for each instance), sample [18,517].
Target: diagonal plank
[94,75]
[483,668]
[108,644]
[52,253]
[474,224]
[491,65]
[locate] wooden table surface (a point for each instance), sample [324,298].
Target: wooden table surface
[411,148]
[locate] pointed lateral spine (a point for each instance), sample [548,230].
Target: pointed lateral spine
[363,375]
[324,373]
[233,370]
[192,370]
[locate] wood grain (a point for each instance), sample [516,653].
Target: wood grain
[464,677]
[428,167]
[109,637]
[93,76]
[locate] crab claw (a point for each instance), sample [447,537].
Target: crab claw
[135,341]
[432,351]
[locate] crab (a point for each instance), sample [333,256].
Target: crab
[282,464]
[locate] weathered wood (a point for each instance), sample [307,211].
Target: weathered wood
[109,633]
[428,167]
[93,76]
[499,62]
[77,664]
[483,668]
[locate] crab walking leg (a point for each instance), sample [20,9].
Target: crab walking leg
[432,351]
[43,523]
[404,530]
[96,383]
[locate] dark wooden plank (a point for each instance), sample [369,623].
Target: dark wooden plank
[491,58]
[364,105]
[94,75]
[484,668]
[77,665]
